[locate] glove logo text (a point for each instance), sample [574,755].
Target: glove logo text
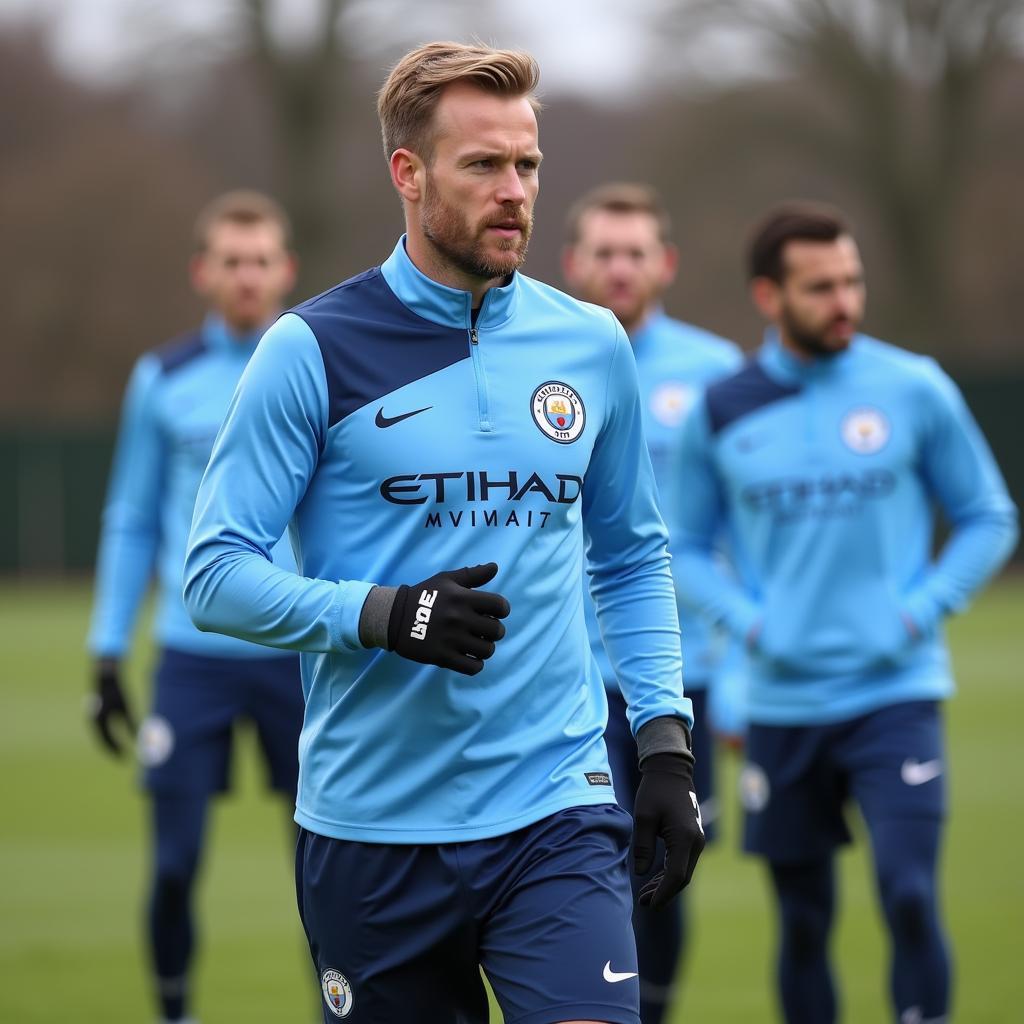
[426,603]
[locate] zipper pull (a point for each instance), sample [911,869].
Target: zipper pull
[473,336]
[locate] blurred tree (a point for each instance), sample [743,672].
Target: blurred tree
[308,90]
[97,204]
[99,185]
[894,94]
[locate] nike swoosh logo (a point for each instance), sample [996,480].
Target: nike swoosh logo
[389,421]
[751,442]
[917,773]
[613,976]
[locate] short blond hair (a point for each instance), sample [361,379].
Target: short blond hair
[406,101]
[619,197]
[241,206]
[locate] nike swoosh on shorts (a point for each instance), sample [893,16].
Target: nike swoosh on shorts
[917,773]
[613,976]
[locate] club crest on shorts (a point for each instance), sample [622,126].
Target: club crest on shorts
[754,788]
[865,430]
[337,993]
[558,411]
[155,742]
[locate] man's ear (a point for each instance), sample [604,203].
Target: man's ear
[670,264]
[197,274]
[408,173]
[767,297]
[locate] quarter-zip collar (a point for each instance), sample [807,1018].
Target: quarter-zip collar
[442,305]
[786,367]
[648,328]
[217,335]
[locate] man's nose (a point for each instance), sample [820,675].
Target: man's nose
[846,301]
[620,266]
[248,273]
[510,188]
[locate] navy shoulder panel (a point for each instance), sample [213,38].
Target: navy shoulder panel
[179,351]
[372,344]
[746,391]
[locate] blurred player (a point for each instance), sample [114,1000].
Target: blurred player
[824,457]
[619,255]
[204,683]
[437,411]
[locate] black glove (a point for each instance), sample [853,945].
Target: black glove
[666,806]
[444,621]
[107,705]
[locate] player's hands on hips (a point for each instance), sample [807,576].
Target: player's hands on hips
[108,707]
[666,806]
[446,621]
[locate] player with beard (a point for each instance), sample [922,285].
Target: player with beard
[619,254]
[206,687]
[439,410]
[824,459]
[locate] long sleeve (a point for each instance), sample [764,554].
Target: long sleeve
[699,508]
[962,474]
[628,559]
[130,531]
[263,460]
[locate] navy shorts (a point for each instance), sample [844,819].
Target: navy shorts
[798,779]
[622,756]
[185,743]
[400,932]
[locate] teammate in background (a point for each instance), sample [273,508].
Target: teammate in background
[824,457]
[619,255]
[205,684]
[455,803]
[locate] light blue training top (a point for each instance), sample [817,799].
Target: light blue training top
[174,404]
[826,474]
[675,362]
[395,435]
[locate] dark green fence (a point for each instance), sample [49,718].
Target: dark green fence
[55,479]
[53,494]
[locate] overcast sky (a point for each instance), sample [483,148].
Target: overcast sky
[585,46]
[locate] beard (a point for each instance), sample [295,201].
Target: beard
[814,342]
[461,247]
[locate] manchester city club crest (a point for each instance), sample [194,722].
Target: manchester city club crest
[865,430]
[754,788]
[671,401]
[337,993]
[155,742]
[558,411]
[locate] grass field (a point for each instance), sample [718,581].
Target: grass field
[73,853]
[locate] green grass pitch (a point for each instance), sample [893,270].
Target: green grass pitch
[73,852]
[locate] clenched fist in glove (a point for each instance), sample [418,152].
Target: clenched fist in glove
[444,621]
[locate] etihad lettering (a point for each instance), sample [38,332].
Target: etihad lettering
[830,494]
[531,518]
[479,485]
